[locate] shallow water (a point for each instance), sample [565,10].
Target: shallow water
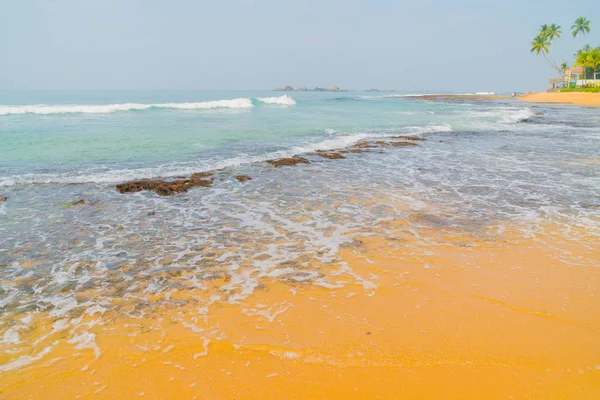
[485,167]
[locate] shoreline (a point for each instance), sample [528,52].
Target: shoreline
[577,98]
[454,316]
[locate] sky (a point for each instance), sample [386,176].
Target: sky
[435,45]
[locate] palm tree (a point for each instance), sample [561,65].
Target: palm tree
[581,26]
[584,49]
[543,41]
[552,32]
[582,61]
[593,60]
[540,45]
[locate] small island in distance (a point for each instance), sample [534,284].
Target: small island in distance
[288,88]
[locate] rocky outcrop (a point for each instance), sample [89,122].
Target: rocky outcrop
[283,162]
[161,187]
[200,175]
[335,89]
[403,144]
[408,137]
[331,155]
[285,88]
[205,179]
[243,178]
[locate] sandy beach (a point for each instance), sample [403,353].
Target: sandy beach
[582,98]
[496,316]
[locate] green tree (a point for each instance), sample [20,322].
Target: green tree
[584,49]
[593,60]
[552,32]
[541,44]
[581,27]
[582,61]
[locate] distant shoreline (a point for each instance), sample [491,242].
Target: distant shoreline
[577,98]
[442,97]
[288,88]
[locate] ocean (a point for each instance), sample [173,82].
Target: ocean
[486,166]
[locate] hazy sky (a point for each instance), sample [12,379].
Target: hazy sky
[470,45]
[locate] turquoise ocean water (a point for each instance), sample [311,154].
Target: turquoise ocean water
[484,164]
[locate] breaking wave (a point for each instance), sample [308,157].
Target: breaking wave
[284,100]
[42,109]
[518,116]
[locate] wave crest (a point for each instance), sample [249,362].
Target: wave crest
[284,100]
[110,108]
[43,109]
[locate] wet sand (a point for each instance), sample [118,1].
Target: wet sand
[428,313]
[582,99]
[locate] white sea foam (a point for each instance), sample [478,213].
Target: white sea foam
[11,336]
[24,360]
[44,109]
[515,116]
[284,100]
[498,117]
[420,130]
[111,108]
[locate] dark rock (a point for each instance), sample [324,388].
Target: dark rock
[365,145]
[200,175]
[330,155]
[403,144]
[243,178]
[161,187]
[78,202]
[152,213]
[409,137]
[282,162]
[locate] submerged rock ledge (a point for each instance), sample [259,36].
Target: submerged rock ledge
[161,187]
[283,162]
[182,184]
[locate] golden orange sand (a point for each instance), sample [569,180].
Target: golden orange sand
[579,98]
[441,316]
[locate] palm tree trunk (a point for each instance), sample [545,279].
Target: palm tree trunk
[550,63]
